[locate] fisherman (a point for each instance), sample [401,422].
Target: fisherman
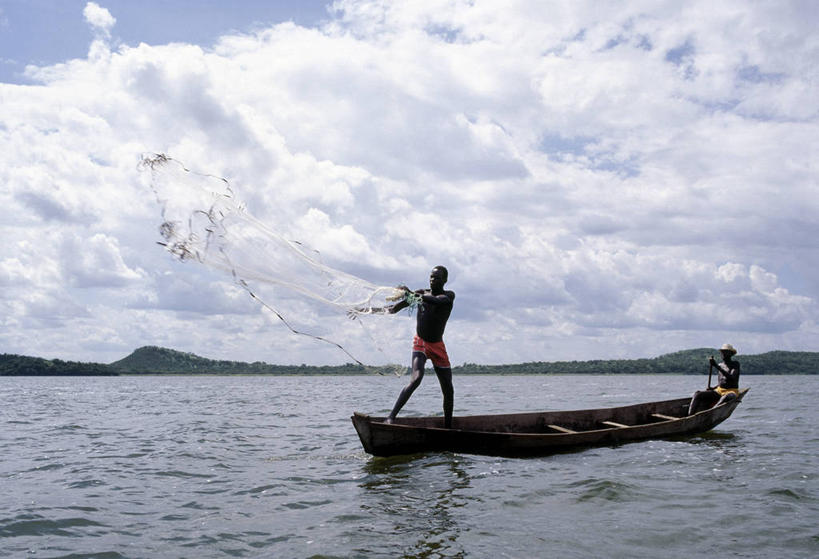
[434,308]
[727,387]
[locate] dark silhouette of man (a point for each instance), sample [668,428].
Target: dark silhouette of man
[727,386]
[434,308]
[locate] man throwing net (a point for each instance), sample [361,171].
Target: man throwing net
[434,306]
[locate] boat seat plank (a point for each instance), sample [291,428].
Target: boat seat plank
[561,429]
[663,416]
[613,424]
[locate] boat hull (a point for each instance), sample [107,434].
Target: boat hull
[539,433]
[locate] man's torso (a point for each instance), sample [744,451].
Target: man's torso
[432,318]
[729,374]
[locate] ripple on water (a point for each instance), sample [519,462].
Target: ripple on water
[301,505]
[47,467]
[85,484]
[789,494]
[262,489]
[37,525]
[594,489]
[180,474]
[98,555]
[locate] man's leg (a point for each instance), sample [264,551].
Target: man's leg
[418,362]
[727,398]
[702,400]
[445,379]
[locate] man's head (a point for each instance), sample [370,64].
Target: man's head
[727,350]
[438,277]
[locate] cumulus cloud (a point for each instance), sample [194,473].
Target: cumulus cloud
[99,18]
[601,180]
[96,262]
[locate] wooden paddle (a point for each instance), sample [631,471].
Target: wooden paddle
[710,368]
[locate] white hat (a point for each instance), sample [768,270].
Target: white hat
[728,347]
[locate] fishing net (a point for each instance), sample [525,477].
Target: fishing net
[204,221]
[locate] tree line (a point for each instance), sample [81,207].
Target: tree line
[158,360]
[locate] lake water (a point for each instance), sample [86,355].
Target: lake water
[255,466]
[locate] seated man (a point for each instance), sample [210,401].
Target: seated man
[728,386]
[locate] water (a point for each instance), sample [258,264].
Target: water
[271,467]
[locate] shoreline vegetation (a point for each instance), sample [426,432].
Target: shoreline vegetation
[152,360]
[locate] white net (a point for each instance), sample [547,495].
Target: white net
[204,221]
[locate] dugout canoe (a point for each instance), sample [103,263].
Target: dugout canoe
[538,433]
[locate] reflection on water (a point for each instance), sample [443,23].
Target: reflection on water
[422,495]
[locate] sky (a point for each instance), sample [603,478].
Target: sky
[602,180]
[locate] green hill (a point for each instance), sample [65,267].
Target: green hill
[160,360]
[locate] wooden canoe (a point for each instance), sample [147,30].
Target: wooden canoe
[538,433]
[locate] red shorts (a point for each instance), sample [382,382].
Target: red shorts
[435,351]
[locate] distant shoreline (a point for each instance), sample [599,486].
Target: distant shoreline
[152,360]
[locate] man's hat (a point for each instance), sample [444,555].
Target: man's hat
[728,347]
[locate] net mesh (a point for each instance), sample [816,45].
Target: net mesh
[204,221]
